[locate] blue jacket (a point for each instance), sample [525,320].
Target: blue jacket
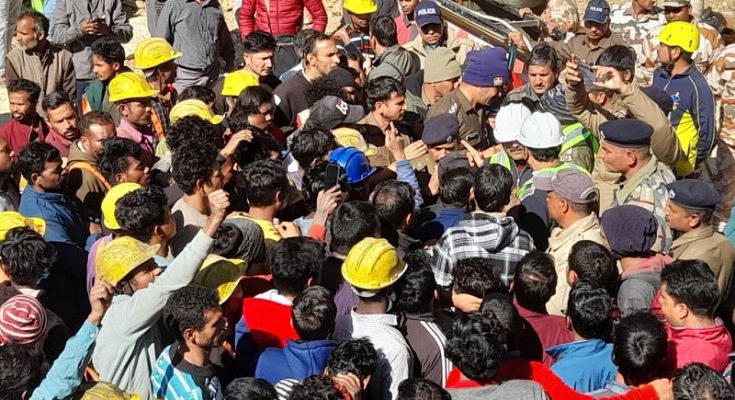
[64,223]
[584,365]
[297,360]
[693,115]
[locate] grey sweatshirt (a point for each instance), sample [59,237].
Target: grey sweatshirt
[129,341]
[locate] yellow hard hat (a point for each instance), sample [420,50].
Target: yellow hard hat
[153,52]
[360,7]
[194,107]
[121,256]
[107,391]
[372,264]
[221,274]
[680,34]
[109,203]
[128,86]
[13,219]
[349,137]
[238,81]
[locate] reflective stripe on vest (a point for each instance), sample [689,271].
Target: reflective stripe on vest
[524,191]
[575,134]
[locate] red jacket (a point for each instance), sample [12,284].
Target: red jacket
[286,16]
[269,322]
[709,346]
[518,368]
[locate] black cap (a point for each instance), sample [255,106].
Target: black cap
[453,160]
[627,133]
[342,77]
[693,193]
[440,129]
[331,111]
[660,97]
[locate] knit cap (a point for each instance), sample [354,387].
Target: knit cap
[22,320]
[249,244]
[629,229]
[487,68]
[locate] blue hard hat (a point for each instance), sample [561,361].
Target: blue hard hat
[354,162]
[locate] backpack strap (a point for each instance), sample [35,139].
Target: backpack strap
[83,165]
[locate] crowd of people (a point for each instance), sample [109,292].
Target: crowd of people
[392,211]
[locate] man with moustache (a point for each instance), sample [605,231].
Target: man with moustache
[26,125]
[542,71]
[132,94]
[38,60]
[63,122]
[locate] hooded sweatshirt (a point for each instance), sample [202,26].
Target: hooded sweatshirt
[395,62]
[479,234]
[709,346]
[297,360]
[640,283]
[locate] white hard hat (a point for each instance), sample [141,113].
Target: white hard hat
[508,122]
[541,130]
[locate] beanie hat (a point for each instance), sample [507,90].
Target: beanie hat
[250,243]
[22,320]
[487,68]
[441,65]
[629,229]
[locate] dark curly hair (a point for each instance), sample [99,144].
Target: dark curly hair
[476,276]
[194,164]
[697,381]
[294,261]
[421,389]
[313,183]
[250,389]
[185,309]
[140,211]
[354,356]
[415,289]
[25,256]
[110,51]
[113,158]
[316,387]
[311,144]
[314,313]
[24,85]
[476,345]
[191,129]
[263,179]
[33,159]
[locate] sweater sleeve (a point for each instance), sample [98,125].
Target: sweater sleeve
[405,173]
[66,374]
[664,144]
[121,30]
[581,108]
[146,305]
[558,390]
[705,121]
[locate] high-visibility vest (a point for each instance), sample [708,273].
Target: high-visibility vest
[525,189]
[575,135]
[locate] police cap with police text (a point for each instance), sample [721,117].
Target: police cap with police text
[627,133]
[694,194]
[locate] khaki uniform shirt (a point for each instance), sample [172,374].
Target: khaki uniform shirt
[579,45]
[459,46]
[709,246]
[635,29]
[560,245]
[470,124]
[647,189]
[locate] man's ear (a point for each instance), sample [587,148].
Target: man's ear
[569,323]
[34,178]
[188,335]
[117,66]
[41,36]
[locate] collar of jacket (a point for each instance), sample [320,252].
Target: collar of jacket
[630,184]
[560,236]
[702,232]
